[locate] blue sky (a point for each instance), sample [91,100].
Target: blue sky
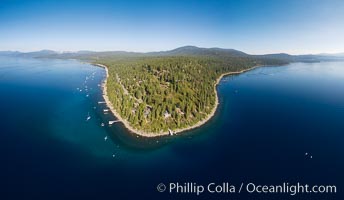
[253,26]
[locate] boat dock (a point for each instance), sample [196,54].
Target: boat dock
[114,121]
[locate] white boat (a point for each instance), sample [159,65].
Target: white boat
[88,117]
[105,138]
[102,124]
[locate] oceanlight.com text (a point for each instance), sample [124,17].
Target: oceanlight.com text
[251,188]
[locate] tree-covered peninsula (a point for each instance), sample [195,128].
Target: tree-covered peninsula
[157,94]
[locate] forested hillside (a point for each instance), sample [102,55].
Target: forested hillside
[157,93]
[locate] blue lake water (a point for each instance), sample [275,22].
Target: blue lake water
[267,120]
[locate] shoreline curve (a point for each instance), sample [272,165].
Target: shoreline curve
[166,133]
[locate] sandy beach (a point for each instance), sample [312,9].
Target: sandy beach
[176,131]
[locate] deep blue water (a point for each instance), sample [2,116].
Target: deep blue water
[268,118]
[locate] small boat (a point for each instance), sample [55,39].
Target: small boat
[111,122]
[88,117]
[306,154]
[105,138]
[102,124]
[87,95]
[106,110]
[113,155]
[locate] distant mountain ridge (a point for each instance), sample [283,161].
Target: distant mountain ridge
[181,51]
[193,50]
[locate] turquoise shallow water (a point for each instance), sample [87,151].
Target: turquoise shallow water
[267,120]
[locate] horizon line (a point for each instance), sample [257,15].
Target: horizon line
[143,52]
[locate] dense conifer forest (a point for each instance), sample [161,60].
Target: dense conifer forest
[158,93]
